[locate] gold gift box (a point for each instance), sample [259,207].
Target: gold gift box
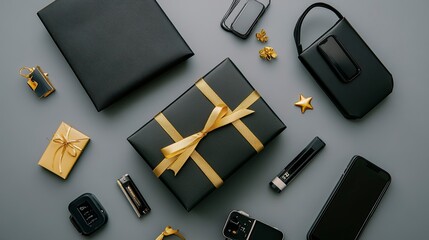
[63,150]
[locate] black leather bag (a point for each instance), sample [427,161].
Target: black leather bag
[345,67]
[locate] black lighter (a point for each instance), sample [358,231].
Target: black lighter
[133,195]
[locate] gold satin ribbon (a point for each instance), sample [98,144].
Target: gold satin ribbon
[184,148]
[239,125]
[179,152]
[168,232]
[65,145]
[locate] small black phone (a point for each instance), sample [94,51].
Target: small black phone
[240,226]
[352,202]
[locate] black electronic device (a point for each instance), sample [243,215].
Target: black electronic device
[242,16]
[87,214]
[352,202]
[239,226]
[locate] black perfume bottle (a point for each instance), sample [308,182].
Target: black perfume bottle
[87,214]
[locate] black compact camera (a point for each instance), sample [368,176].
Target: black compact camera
[240,226]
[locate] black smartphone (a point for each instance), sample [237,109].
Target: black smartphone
[352,202]
[240,226]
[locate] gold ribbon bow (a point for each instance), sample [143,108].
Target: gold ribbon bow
[179,152]
[168,232]
[183,149]
[65,145]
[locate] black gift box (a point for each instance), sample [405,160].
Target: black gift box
[113,46]
[224,149]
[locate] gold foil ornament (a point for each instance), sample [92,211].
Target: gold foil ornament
[262,36]
[304,103]
[267,53]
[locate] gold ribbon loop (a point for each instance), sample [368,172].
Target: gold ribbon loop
[66,145]
[168,231]
[211,174]
[185,147]
[211,95]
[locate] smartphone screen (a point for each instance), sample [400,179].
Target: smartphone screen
[352,202]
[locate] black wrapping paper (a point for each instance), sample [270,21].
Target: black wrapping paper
[114,46]
[225,149]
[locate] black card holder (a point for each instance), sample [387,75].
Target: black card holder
[345,67]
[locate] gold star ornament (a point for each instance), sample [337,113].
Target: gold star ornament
[304,103]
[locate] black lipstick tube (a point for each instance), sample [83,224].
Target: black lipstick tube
[297,164]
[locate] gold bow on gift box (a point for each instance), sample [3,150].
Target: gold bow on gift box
[184,148]
[179,152]
[168,232]
[68,143]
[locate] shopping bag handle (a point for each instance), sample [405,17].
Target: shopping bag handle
[297,31]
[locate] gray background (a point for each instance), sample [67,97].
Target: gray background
[33,202]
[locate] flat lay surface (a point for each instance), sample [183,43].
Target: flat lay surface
[393,135]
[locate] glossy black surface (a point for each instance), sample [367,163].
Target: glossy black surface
[225,149]
[114,46]
[352,202]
